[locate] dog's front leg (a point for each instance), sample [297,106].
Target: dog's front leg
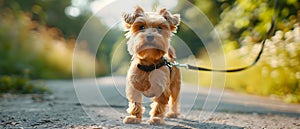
[135,108]
[158,109]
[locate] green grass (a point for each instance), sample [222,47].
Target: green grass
[21,85]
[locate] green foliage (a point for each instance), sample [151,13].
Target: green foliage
[18,84]
[27,45]
[192,15]
[253,18]
[50,13]
[277,73]
[245,23]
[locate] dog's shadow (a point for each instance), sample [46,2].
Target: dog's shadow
[182,123]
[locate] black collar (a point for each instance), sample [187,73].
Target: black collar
[149,68]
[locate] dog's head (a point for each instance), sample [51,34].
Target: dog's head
[149,32]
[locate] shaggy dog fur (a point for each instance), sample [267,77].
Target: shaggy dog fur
[149,36]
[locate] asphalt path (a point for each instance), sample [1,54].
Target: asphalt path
[101,103]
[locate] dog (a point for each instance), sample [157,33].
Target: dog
[151,72]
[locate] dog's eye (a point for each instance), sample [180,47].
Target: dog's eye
[159,29]
[142,27]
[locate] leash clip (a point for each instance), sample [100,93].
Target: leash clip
[176,64]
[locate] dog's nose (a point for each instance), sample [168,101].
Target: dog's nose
[150,37]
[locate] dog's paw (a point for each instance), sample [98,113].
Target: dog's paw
[132,120]
[172,115]
[156,121]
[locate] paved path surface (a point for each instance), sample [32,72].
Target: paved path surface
[101,103]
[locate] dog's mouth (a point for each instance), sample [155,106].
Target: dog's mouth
[150,46]
[151,53]
[150,50]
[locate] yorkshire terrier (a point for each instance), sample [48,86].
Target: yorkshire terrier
[151,72]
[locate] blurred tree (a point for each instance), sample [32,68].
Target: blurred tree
[30,46]
[68,17]
[252,19]
[52,13]
[210,8]
[26,46]
[243,24]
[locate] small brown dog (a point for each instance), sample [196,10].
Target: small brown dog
[151,73]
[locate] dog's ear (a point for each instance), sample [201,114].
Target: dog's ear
[173,20]
[129,18]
